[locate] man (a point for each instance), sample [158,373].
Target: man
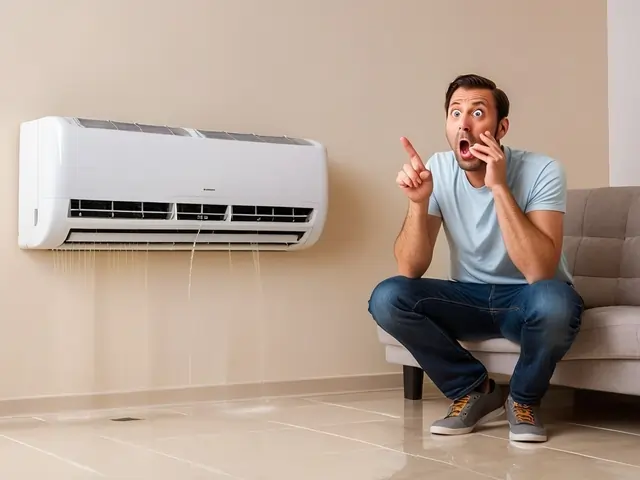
[502,212]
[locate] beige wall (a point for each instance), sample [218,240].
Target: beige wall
[353,74]
[624,74]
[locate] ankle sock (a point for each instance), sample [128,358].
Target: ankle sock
[491,387]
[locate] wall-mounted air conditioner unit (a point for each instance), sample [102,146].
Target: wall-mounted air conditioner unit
[103,185]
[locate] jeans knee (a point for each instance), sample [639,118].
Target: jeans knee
[557,308]
[388,299]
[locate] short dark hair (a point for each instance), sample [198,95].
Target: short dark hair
[473,81]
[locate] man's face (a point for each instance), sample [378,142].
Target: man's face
[471,112]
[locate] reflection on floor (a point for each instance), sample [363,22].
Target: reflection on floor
[364,436]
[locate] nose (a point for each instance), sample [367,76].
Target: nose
[465,124]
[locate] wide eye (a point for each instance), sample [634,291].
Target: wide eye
[456,113]
[477,113]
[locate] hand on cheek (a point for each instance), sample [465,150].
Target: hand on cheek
[491,154]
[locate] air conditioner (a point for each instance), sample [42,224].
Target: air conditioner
[98,184]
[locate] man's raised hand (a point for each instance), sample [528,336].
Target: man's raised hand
[414,178]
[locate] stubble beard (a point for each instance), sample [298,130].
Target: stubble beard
[472,165]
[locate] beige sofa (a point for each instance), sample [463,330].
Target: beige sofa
[602,245]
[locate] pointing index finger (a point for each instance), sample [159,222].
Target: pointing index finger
[416,161]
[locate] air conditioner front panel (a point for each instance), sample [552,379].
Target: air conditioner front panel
[136,168]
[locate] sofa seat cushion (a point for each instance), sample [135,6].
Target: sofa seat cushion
[606,333]
[500,345]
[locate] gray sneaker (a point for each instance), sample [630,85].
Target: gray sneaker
[470,411]
[524,423]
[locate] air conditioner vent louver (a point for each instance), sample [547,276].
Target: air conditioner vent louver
[103,236]
[133,127]
[258,213]
[249,137]
[201,212]
[117,209]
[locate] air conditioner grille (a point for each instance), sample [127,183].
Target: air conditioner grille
[119,209]
[132,127]
[86,208]
[259,213]
[201,212]
[250,137]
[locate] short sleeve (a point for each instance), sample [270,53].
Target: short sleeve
[434,207]
[549,190]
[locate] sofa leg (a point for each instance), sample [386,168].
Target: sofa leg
[413,378]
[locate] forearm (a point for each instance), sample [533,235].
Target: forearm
[413,248]
[531,251]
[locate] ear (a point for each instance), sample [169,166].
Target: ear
[502,129]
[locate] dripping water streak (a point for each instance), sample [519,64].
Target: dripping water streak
[191,322]
[193,252]
[146,271]
[147,323]
[227,335]
[261,318]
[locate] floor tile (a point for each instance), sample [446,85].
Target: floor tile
[591,442]
[21,461]
[387,403]
[356,436]
[260,454]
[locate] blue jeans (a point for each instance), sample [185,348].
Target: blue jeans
[429,316]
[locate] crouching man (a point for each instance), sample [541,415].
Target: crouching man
[502,212]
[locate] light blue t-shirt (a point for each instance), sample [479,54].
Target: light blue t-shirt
[469,219]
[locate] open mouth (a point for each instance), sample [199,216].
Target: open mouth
[465,153]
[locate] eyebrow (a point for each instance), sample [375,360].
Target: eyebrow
[477,102]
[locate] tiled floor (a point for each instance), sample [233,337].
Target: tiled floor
[352,436]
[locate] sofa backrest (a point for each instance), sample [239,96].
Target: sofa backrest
[602,244]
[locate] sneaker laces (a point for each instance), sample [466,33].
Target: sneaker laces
[523,413]
[458,405]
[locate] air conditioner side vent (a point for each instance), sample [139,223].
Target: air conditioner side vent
[261,213]
[86,208]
